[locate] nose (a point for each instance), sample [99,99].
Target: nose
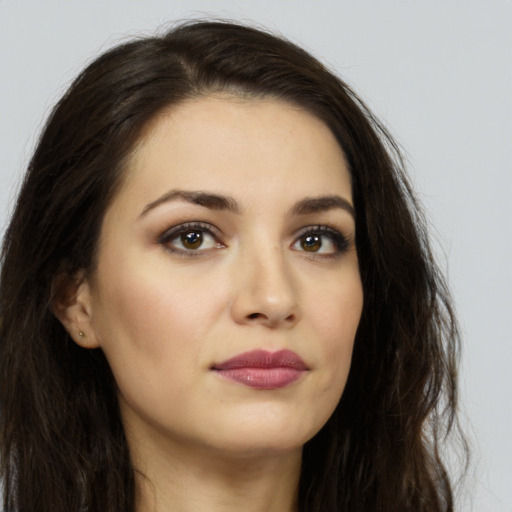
[265,291]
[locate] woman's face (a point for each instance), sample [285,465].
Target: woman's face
[227,292]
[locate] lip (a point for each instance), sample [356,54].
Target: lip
[261,369]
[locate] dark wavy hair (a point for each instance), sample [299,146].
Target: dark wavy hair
[62,442]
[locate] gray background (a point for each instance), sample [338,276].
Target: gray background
[437,72]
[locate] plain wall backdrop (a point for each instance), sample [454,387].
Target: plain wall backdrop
[438,72]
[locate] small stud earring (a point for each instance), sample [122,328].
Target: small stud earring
[81,334]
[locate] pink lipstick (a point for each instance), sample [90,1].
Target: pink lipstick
[260,369]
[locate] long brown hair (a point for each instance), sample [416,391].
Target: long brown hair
[61,438]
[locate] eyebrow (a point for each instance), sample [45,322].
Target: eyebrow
[214,201]
[322,204]
[206,199]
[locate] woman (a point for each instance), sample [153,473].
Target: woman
[217,294]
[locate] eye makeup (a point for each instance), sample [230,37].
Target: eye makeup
[197,238]
[321,241]
[191,239]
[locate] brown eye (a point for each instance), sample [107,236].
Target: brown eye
[192,239]
[311,243]
[321,241]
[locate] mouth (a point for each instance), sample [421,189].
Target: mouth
[260,369]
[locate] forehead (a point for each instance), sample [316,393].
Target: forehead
[238,147]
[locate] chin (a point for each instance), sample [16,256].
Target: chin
[255,447]
[266,434]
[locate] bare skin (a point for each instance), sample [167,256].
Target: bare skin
[185,480]
[233,232]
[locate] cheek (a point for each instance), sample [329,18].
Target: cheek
[153,312]
[335,318]
[337,310]
[150,330]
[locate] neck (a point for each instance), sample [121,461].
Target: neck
[186,479]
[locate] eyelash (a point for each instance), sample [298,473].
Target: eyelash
[189,227]
[340,242]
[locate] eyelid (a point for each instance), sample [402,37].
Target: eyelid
[341,241]
[175,231]
[319,228]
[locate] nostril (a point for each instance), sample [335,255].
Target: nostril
[263,317]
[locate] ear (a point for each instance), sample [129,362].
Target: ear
[72,305]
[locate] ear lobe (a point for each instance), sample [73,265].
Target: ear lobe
[72,305]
